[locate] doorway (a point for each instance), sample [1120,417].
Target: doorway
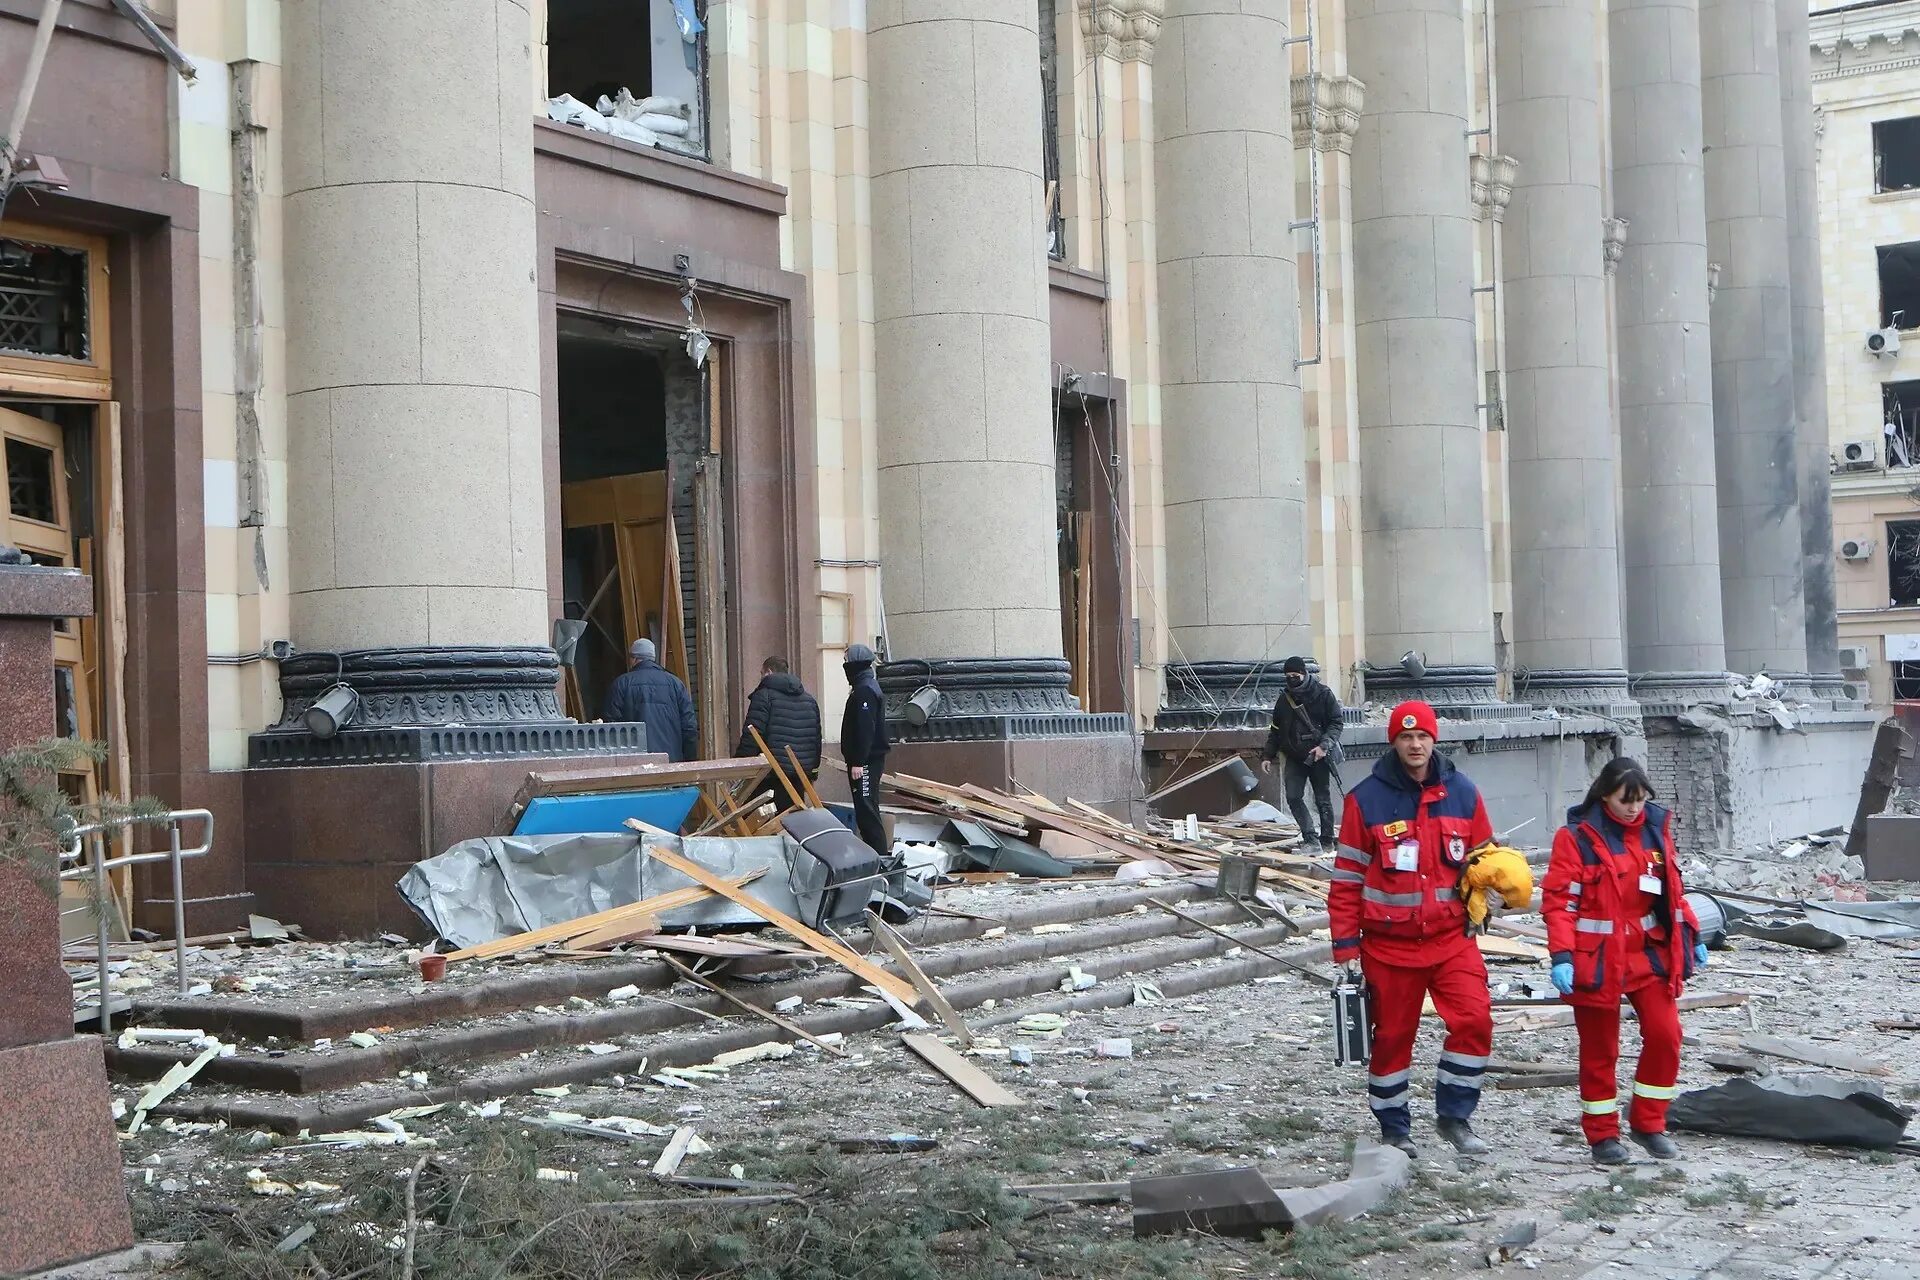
[1090,492]
[643,512]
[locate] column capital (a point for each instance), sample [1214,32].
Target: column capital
[1613,241]
[1123,29]
[1492,179]
[1326,111]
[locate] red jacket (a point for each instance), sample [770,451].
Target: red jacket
[1413,916]
[1617,935]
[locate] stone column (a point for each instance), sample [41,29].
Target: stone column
[1675,645]
[416,509]
[1809,340]
[1234,442]
[1560,460]
[1424,540]
[1755,444]
[961,332]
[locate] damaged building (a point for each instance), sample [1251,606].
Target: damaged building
[396,371]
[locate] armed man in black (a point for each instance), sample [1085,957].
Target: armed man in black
[863,744]
[1306,730]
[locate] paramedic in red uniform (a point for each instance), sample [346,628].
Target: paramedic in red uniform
[1610,898]
[1396,907]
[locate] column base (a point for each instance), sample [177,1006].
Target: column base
[61,1194]
[987,699]
[1223,695]
[1456,692]
[1599,690]
[1668,693]
[432,703]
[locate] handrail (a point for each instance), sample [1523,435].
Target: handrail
[96,833]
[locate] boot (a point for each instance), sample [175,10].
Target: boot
[1611,1151]
[1404,1141]
[1462,1136]
[1657,1145]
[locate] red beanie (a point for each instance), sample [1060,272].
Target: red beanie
[1413,715]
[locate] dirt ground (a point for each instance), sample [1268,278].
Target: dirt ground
[1242,1075]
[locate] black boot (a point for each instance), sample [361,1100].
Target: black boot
[1462,1136]
[1657,1145]
[1404,1141]
[1611,1151]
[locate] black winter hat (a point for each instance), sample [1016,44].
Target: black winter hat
[1294,664]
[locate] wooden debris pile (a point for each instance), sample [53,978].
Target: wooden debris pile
[1079,833]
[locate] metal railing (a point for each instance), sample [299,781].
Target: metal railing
[97,835]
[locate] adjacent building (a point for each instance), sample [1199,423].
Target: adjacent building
[1086,357]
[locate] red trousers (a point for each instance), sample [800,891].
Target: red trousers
[1653,1079]
[1457,981]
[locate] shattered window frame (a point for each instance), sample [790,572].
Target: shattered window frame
[1900,408]
[699,140]
[1903,133]
[1903,564]
[1897,268]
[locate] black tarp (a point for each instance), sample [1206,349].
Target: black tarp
[1827,1110]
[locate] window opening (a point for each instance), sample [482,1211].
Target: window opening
[632,69]
[1050,129]
[1896,154]
[1900,418]
[30,481]
[43,300]
[1903,563]
[1906,680]
[1899,285]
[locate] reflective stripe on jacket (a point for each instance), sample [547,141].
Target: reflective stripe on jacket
[1596,916]
[1443,820]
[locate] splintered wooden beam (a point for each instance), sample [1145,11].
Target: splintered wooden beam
[773,761]
[897,947]
[570,930]
[847,959]
[969,1079]
[791,1028]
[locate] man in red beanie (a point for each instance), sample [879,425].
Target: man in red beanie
[1397,909]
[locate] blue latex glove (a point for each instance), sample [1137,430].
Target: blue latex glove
[1562,976]
[1700,954]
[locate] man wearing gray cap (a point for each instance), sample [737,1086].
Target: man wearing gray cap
[655,696]
[863,744]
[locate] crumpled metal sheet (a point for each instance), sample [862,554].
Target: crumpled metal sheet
[1827,1110]
[495,886]
[1898,919]
[1377,1171]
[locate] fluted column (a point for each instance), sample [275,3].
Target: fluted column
[1672,533]
[1809,339]
[1756,445]
[1424,541]
[1560,462]
[1234,442]
[966,467]
[416,504]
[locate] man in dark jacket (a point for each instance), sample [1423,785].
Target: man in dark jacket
[1306,730]
[786,716]
[863,744]
[654,696]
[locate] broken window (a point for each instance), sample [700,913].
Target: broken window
[1050,129]
[632,69]
[1900,412]
[43,300]
[1896,154]
[1899,285]
[1906,680]
[1903,563]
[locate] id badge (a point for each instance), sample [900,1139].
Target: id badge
[1406,856]
[1652,884]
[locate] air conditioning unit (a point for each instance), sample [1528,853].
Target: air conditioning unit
[1859,455]
[1853,657]
[1857,549]
[1883,342]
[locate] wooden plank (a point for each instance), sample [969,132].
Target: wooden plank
[1494,945]
[897,948]
[733,813]
[612,935]
[806,783]
[845,958]
[645,777]
[1814,1055]
[710,590]
[799,801]
[112,595]
[791,1028]
[695,944]
[568,929]
[969,1079]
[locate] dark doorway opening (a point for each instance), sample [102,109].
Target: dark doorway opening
[1090,499]
[642,507]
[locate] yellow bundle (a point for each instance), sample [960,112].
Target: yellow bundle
[1501,869]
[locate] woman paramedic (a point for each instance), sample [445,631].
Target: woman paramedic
[1619,925]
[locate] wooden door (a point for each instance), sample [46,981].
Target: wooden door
[648,555]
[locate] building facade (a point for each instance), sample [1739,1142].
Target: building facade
[1088,357]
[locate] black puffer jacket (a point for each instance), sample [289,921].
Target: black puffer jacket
[1303,719]
[786,716]
[653,695]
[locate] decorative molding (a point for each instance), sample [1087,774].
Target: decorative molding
[1819,132]
[1600,689]
[1326,111]
[1125,29]
[990,699]
[1713,280]
[1492,178]
[441,685]
[1456,692]
[1613,241]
